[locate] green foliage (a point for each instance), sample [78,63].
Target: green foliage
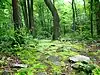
[84,68]
[43,21]
[45,49]
[96,71]
[25,72]
[11,41]
[36,52]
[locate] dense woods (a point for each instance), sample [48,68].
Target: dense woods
[49,37]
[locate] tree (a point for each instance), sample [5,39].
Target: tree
[17,22]
[25,12]
[97,7]
[56,27]
[91,19]
[74,26]
[84,6]
[16,15]
[27,8]
[76,13]
[30,17]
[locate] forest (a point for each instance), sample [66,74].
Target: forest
[49,37]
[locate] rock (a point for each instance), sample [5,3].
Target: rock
[79,58]
[87,68]
[55,59]
[75,66]
[82,64]
[16,65]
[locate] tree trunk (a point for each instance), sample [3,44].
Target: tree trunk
[56,27]
[97,7]
[74,26]
[31,20]
[76,13]
[17,22]
[91,5]
[25,12]
[16,15]
[84,6]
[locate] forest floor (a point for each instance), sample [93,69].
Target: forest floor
[46,57]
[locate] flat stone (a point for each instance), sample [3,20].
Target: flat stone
[79,58]
[55,59]
[16,65]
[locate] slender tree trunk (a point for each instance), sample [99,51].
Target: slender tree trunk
[91,5]
[74,26]
[25,12]
[97,7]
[16,15]
[31,20]
[76,13]
[56,27]
[84,6]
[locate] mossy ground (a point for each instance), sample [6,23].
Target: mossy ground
[51,57]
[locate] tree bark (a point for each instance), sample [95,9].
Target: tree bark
[16,15]
[31,19]
[73,9]
[84,6]
[17,22]
[76,13]
[97,13]
[91,13]
[25,12]
[56,25]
